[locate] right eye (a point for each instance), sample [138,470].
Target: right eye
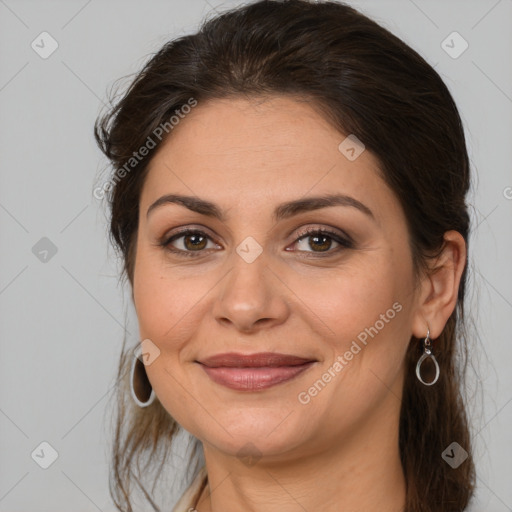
[187,242]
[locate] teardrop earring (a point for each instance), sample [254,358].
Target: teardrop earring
[427,352]
[140,387]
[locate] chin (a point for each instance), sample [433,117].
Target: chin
[256,433]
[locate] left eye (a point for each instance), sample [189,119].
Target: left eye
[321,241]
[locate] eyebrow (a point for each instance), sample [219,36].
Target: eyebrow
[283,211]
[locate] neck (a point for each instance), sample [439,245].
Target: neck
[363,472]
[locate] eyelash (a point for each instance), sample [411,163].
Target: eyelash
[344,243]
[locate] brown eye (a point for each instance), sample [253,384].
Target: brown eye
[188,242]
[194,242]
[321,241]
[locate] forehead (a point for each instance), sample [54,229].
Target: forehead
[281,148]
[267,129]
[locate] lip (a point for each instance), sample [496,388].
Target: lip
[254,372]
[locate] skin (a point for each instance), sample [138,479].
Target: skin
[340,450]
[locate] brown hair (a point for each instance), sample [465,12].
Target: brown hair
[366,82]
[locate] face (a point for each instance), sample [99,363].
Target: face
[285,244]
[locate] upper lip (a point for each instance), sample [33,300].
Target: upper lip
[257,360]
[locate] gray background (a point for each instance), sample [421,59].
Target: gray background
[63,319]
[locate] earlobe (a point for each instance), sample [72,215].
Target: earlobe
[439,289]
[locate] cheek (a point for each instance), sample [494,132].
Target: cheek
[364,308]
[351,299]
[167,310]
[161,299]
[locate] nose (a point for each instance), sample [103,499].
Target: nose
[251,297]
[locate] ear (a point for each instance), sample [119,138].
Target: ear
[439,287]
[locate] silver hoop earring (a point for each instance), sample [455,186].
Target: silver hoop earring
[140,387]
[427,352]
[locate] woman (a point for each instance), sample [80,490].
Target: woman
[288,199]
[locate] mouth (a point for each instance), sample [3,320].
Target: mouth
[254,372]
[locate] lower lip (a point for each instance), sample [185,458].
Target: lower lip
[254,379]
